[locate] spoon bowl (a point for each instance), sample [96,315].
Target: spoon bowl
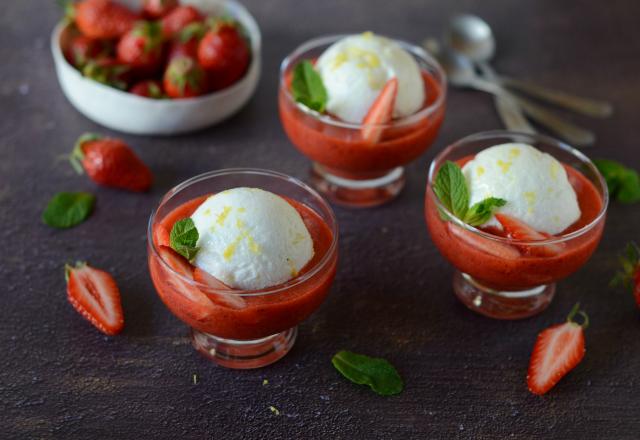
[472,36]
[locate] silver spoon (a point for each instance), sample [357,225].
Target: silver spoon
[461,73]
[472,36]
[509,111]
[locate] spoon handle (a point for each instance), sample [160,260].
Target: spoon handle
[576,135]
[509,111]
[585,106]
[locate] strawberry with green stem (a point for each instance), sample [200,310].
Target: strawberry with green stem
[557,351]
[83,49]
[148,88]
[184,78]
[110,162]
[629,274]
[185,43]
[141,47]
[101,19]
[178,19]
[158,8]
[108,71]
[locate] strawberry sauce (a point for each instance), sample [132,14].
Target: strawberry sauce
[231,315]
[504,266]
[345,153]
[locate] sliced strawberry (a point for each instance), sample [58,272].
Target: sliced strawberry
[491,247]
[225,299]
[629,274]
[95,295]
[381,112]
[557,351]
[182,266]
[519,230]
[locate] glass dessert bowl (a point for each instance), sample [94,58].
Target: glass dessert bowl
[359,162]
[254,325]
[506,269]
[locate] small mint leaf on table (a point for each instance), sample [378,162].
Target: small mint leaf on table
[377,373]
[307,87]
[623,182]
[68,209]
[481,212]
[184,238]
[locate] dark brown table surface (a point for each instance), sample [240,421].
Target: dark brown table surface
[465,374]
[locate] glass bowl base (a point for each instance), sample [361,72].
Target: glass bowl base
[502,304]
[244,354]
[360,193]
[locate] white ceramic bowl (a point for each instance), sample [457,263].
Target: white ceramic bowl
[133,114]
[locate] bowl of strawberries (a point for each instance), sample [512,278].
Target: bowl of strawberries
[157,67]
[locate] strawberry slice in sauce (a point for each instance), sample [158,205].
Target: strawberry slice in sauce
[381,112]
[519,230]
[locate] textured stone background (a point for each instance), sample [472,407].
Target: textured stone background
[59,378]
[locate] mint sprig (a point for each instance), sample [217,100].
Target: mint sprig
[451,189]
[307,87]
[184,238]
[623,182]
[377,373]
[67,209]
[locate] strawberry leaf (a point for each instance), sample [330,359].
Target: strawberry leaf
[623,182]
[184,238]
[378,373]
[67,209]
[307,87]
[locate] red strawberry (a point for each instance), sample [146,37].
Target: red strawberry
[108,71]
[491,247]
[158,8]
[141,47]
[380,112]
[518,230]
[148,88]
[82,49]
[95,295]
[557,351]
[178,19]
[185,44]
[629,274]
[231,300]
[110,162]
[224,54]
[103,18]
[184,78]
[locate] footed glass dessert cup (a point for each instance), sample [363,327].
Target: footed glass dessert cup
[504,278]
[243,328]
[345,168]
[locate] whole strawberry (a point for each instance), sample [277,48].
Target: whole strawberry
[224,54]
[629,274]
[149,88]
[105,19]
[184,78]
[185,43]
[158,8]
[108,71]
[141,47]
[110,162]
[83,49]
[178,19]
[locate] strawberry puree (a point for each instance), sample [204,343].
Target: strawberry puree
[503,266]
[345,153]
[235,316]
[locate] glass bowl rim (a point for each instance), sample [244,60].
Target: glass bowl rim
[333,225]
[416,51]
[483,135]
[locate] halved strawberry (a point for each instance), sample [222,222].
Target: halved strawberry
[381,112]
[629,274]
[491,247]
[226,299]
[557,351]
[182,266]
[519,230]
[95,295]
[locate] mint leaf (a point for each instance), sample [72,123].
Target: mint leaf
[451,188]
[623,182]
[184,237]
[67,209]
[307,87]
[379,374]
[481,212]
